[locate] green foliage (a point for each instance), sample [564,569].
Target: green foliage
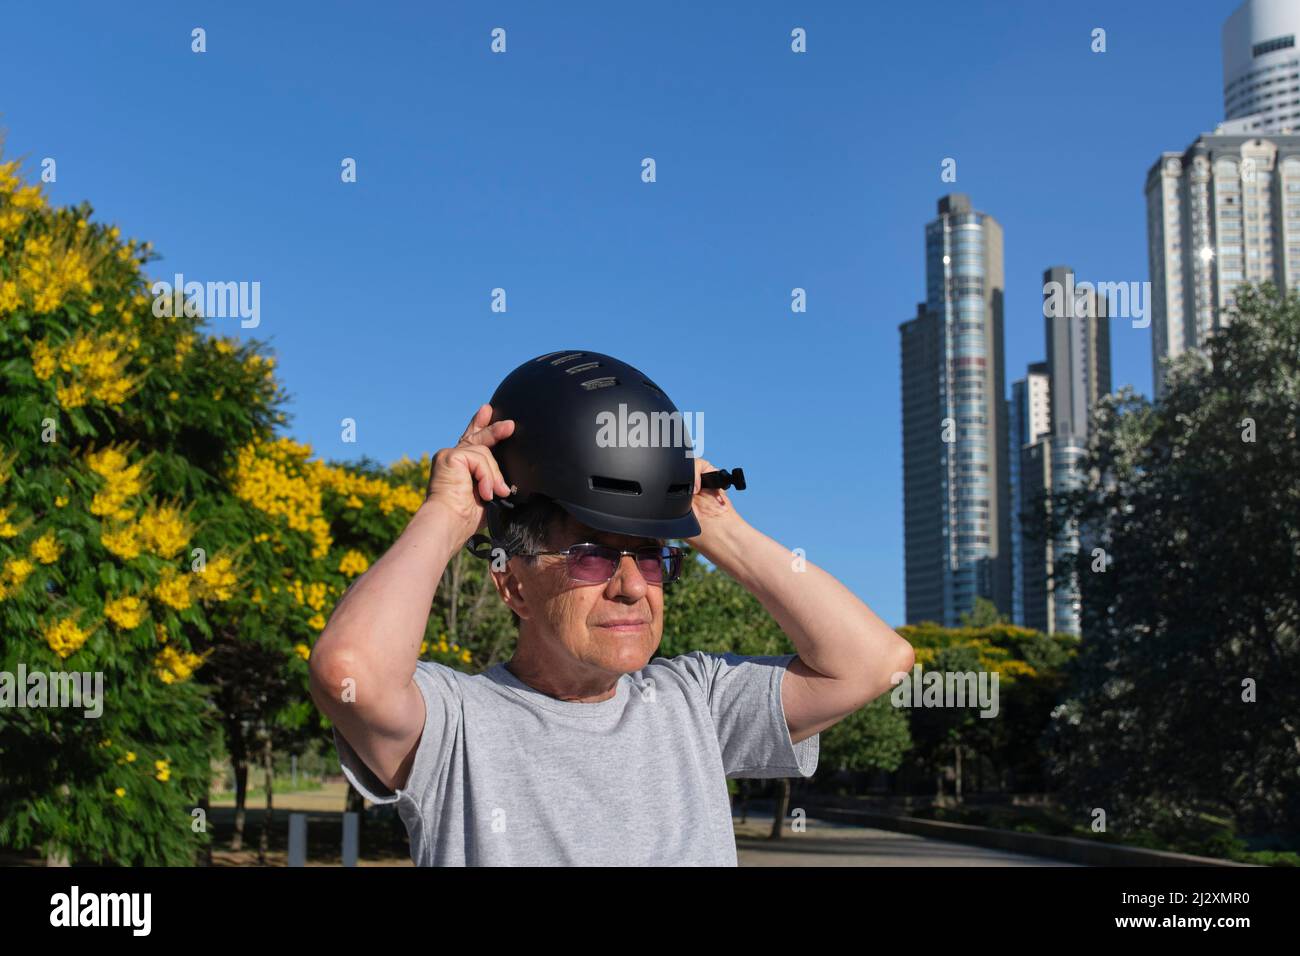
[154,529]
[984,614]
[873,738]
[707,610]
[1196,503]
[1029,665]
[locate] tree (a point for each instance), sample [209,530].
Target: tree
[1184,699]
[1029,666]
[155,529]
[984,614]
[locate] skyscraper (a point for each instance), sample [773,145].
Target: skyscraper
[1077,332]
[1226,210]
[1078,372]
[955,488]
[1261,66]
[1029,419]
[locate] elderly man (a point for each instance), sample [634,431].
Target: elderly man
[584,748]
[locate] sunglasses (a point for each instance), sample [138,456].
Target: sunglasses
[592,563]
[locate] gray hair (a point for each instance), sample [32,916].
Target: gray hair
[526,529]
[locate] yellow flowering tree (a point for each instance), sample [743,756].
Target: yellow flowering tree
[155,528]
[958,744]
[107,487]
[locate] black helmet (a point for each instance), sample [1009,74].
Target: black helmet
[577,441]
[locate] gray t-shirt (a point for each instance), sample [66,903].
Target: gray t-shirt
[505,775]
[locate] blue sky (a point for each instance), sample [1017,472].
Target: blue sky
[522,171]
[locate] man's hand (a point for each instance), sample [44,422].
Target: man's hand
[714,510]
[464,478]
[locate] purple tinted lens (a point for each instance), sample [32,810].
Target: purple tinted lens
[597,563]
[651,564]
[593,563]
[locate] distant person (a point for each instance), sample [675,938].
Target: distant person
[584,748]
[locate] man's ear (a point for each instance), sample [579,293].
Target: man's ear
[511,589]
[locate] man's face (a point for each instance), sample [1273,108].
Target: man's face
[613,627]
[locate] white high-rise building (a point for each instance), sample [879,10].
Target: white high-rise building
[1227,209]
[1261,66]
[1224,211]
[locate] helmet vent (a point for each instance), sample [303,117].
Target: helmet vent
[584,367]
[653,387]
[679,489]
[594,383]
[617,486]
[568,357]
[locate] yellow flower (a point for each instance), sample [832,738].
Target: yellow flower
[97,308]
[173,589]
[217,580]
[303,651]
[125,612]
[60,501]
[173,666]
[121,480]
[44,363]
[7,530]
[165,531]
[464,656]
[46,549]
[28,197]
[17,570]
[70,396]
[64,637]
[120,791]
[164,770]
[173,396]
[316,595]
[353,563]
[122,542]
[130,756]
[317,621]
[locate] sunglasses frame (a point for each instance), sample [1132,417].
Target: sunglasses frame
[674,552]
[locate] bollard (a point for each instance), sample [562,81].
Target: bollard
[297,839]
[350,834]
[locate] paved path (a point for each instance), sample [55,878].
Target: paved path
[839,844]
[822,844]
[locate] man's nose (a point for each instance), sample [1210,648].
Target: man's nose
[628,578]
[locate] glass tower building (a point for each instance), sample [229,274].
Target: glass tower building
[955,479]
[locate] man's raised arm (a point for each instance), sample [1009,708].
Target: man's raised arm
[847,655]
[363,664]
